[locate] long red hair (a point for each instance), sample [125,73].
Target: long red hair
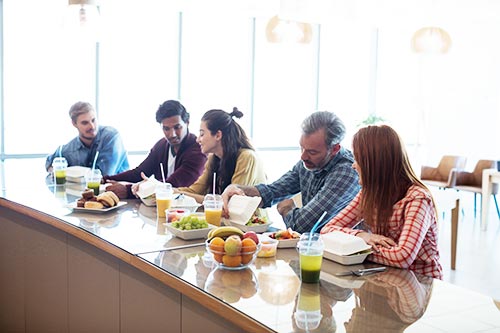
[385,171]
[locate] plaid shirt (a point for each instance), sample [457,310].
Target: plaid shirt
[329,189]
[413,226]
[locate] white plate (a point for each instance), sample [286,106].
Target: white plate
[346,260]
[284,243]
[189,234]
[94,210]
[258,228]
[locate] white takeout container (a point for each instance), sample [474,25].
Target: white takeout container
[344,248]
[146,191]
[76,174]
[185,202]
[343,244]
[352,259]
[241,208]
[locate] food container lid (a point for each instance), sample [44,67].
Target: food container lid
[343,244]
[147,188]
[241,208]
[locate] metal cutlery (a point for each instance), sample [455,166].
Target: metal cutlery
[362,272]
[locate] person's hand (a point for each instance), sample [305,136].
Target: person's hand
[227,194]
[285,206]
[376,240]
[119,189]
[135,187]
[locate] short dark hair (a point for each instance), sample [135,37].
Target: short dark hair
[171,108]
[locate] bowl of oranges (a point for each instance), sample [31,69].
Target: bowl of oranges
[233,252]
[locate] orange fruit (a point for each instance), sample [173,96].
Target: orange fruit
[248,246]
[217,257]
[231,261]
[217,245]
[246,258]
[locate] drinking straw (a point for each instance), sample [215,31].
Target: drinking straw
[315,226]
[95,160]
[213,186]
[162,172]
[60,150]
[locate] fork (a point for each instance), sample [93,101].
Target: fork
[363,272]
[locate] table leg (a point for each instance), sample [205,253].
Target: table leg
[485,199]
[454,231]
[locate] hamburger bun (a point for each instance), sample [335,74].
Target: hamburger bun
[106,199]
[94,205]
[114,196]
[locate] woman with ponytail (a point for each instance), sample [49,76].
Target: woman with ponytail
[231,157]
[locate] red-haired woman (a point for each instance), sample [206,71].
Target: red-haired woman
[394,212]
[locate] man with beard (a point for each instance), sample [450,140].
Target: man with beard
[81,151]
[178,152]
[324,177]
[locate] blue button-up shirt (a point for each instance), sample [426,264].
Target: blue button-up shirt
[112,158]
[328,189]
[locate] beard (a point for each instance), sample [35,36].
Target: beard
[314,167]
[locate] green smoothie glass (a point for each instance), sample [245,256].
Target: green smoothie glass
[93,179]
[310,247]
[59,166]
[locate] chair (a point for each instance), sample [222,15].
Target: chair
[473,181]
[443,175]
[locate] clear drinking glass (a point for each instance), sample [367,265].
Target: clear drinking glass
[310,247]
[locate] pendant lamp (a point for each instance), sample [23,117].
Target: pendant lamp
[82,16]
[433,40]
[288,31]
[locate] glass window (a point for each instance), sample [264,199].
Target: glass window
[285,81]
[216,64]
[44,73]
[138,67]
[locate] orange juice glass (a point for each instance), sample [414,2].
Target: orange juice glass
[213,216]
[163,192]
[212,205]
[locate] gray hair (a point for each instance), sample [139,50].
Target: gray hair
[79,108]
[333,126]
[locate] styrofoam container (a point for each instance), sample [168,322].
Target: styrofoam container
[342,244]
[76,174]
[352,259]
[185,202]
[241,209]
[146,191]
[258,228]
